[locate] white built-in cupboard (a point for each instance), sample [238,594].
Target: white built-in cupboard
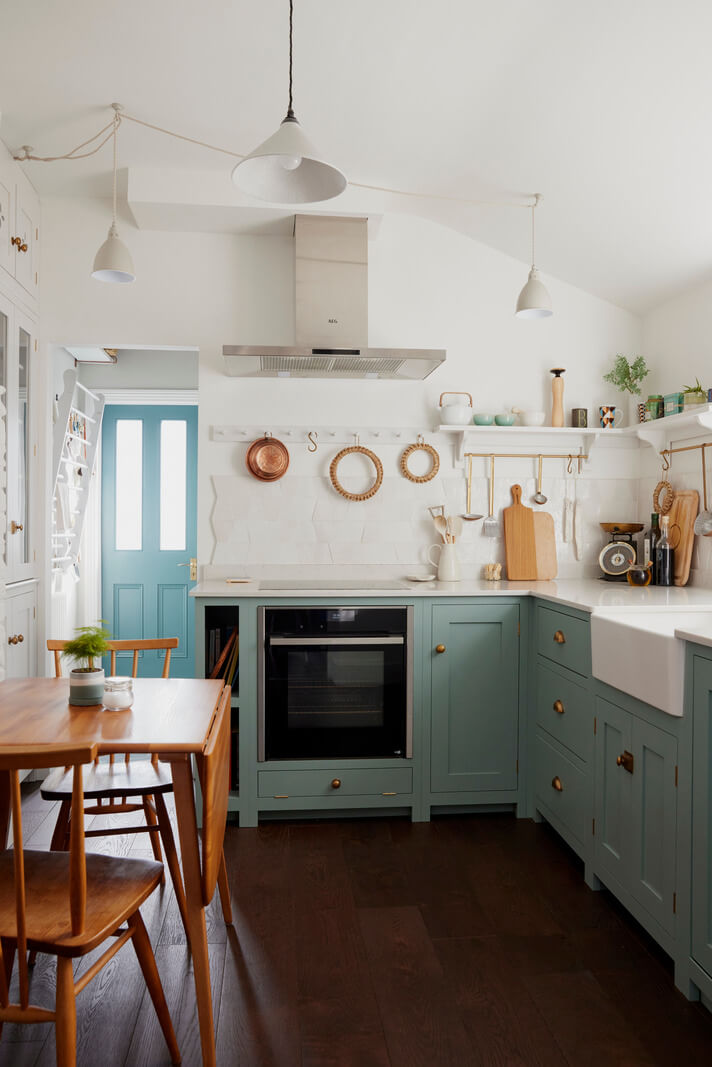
[19,317]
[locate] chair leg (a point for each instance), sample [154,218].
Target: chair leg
[169,846]
[8,958]
[224,890]
[66,1020]
[151,819]
[147,961]
[61,827]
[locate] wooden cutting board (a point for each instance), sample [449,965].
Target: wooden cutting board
[519,546]
[682,533]
[545,546]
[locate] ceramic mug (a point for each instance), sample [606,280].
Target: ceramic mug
[610,416]
[447,563]
[579,417]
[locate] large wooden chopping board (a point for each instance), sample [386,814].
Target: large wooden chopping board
[519,546]
[682,533]
[545,546]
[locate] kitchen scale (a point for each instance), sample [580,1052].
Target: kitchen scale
[620,552]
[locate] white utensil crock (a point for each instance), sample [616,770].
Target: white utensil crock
[447,563]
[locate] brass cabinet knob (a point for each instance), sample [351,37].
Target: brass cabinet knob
[440,648]
[12,640]
[559,637]
[336,783]
[556,784]
[20,638]
[626,761]
[23,247]
[16,527]
[558,707]
[16,241]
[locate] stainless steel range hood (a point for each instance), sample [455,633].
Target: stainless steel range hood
[331,305]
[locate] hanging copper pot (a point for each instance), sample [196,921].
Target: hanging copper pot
[267,458]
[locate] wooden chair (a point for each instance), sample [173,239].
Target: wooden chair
[67,904]
[122,786]
[214,773]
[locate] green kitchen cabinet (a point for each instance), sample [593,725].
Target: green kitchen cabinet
[474,697]
[636,811]
[702,815]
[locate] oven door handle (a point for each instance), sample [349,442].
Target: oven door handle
[296,641]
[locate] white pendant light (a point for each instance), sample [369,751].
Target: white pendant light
[113,262]
[534,301]
[287,168]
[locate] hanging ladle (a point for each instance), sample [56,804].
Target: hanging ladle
[703,522]
[539,497]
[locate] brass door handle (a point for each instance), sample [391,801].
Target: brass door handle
[626,761]
[193,564]
[440,648]
[556,784]
[559,637]
[16,527]
[558,707]
[336,783]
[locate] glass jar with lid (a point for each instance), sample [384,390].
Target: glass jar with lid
[118,693]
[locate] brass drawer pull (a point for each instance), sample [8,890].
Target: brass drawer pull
[281,796]
[556,784]
[558,707]
[336,783]
[626,761]
[389,794]
[440,648]
[559,637]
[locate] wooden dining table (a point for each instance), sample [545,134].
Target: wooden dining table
[171,717]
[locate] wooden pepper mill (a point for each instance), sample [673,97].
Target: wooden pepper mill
[557,397]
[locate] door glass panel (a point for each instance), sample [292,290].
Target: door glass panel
[173,487]
[129,484]
[3,386]
[23,448]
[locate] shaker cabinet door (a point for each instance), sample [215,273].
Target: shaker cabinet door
[702,815]
[613,790]
[475,697]
[653,821]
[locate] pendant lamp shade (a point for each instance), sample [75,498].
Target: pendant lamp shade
[288,169]
[113,261]
[534,301]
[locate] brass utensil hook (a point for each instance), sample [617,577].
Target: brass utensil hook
[311,438]
[570,466]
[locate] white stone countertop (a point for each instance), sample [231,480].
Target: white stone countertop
[586,594]
[701,635]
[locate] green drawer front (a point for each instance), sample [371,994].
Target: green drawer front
[572,805]
[354,782]
[564,710]
[574,651]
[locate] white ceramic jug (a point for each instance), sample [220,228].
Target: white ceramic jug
[448,565]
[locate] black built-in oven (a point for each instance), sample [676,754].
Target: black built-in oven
[335,682]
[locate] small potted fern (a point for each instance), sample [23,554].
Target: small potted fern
[86,684]
[627,376]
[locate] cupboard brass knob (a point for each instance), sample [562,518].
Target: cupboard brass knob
[440,648]
[558,707]
[23,247]
[16,527]
[336,783]
[626,761]
[16,241]
[556,784]
[559,637]
[20,638]
[12,640]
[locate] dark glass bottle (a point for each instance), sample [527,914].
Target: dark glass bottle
[650,540]
[664,556]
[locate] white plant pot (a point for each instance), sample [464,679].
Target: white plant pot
[86,687]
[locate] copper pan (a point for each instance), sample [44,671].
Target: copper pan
[267,458]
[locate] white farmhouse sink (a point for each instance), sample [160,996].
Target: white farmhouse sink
[638,653]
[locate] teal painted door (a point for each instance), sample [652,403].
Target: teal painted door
[149,512]
[475,698]
[702,815]
[612,805]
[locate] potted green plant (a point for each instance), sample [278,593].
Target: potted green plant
[86,684]
[627,376]
[694,394]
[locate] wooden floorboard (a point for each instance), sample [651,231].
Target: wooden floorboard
[470,940]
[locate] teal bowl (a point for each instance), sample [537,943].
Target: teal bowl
[505,420]
[483,420]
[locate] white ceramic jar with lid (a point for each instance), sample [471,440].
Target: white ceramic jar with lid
[118,693]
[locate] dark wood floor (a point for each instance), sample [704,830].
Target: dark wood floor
[378,943]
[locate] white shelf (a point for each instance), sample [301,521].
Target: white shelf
[567,439]
[691,423]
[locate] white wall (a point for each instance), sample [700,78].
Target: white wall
[428,287]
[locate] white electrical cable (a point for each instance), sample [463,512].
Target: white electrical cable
[27,156]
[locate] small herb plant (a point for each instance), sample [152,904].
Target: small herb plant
[91,644]
[695,390]
[627,376]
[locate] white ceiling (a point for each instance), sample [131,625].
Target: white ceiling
[603,107]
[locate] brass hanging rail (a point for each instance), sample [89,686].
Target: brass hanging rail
[684,448]
[572,457]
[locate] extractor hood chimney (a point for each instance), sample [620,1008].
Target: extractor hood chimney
[331,310]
